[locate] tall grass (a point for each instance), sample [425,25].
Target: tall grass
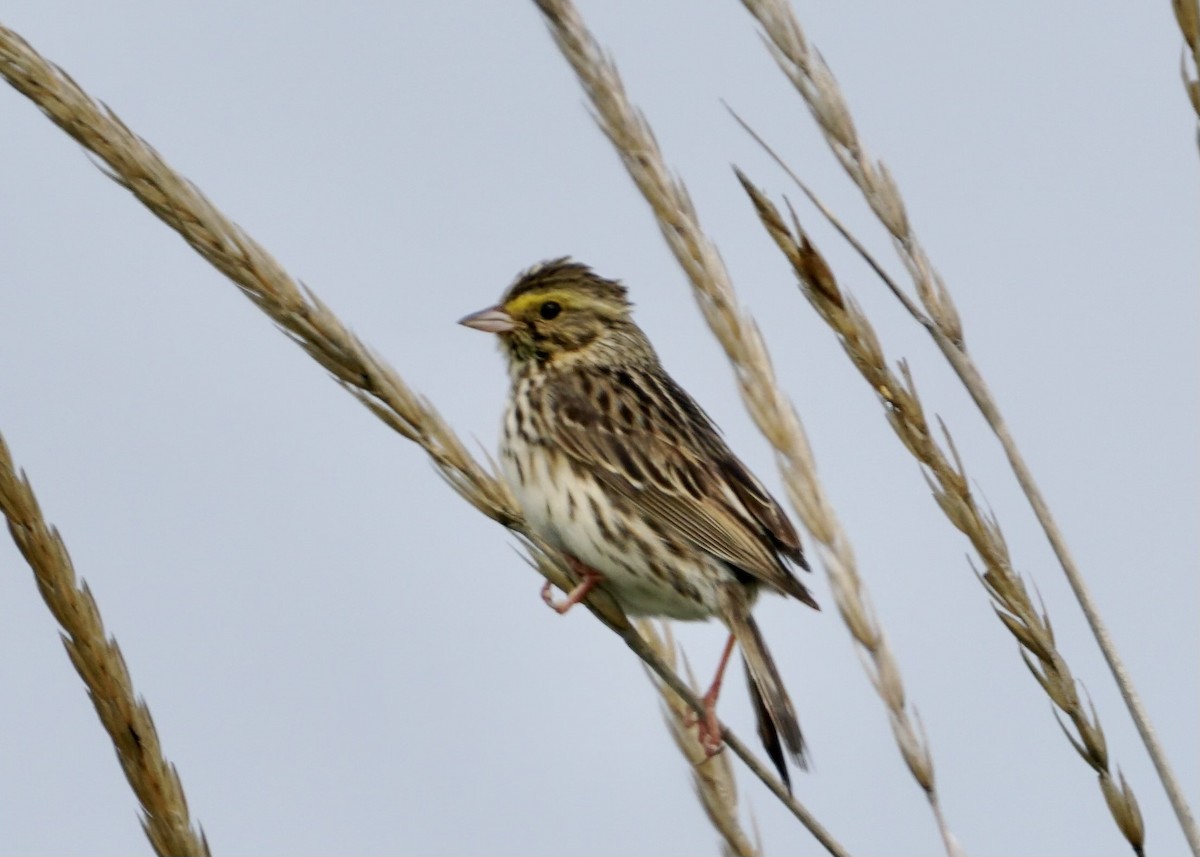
[816,84]
[97,659]
[766,402]
[948,481]
[303,318]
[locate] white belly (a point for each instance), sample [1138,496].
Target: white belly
[572,515]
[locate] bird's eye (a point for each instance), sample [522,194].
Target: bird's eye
[549,310]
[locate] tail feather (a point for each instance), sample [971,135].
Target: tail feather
[777,721]
[767,732]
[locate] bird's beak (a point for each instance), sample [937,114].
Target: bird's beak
[490,320]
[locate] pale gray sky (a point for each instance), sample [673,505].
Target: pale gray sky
[343,657]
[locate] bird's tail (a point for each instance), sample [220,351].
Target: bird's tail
[777,724]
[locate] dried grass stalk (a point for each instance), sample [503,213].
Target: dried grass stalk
[817,86]
[770,408]
[98,661]
[947,479]
[711,775]
[807,71]
[304,319]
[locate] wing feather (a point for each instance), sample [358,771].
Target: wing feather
[647,440]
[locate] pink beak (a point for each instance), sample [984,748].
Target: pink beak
[491,320]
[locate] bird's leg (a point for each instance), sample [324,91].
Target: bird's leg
[590,578]
[709,726]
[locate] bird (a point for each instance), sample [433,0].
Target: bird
[616,466]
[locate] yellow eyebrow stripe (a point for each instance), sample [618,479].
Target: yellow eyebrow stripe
[522,304]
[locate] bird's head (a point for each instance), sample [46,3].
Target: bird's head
[561,311]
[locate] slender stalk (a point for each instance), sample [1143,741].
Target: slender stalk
[304,319]
[651,658]
[817,86]
[98,660]
[769,407]
[973,380]
[943,470]
[712,775]
[643,650]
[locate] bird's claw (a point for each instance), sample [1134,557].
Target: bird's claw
[587,584]
[708,729]
[558,607]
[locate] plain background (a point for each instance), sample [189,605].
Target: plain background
[341,656]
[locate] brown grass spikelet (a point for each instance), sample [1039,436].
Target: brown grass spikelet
[815,82]
[98,660]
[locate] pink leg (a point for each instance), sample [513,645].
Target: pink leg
[710,727]
[590,579]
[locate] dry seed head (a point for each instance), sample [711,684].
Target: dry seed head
[890,689]
[1058,687]
[817,274]
[885,201]
[1124,808]
[916,757]
[857,619]
[829,108]
[1090,732]
[100,664]
[947,479]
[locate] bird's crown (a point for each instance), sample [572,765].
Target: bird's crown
[570,284]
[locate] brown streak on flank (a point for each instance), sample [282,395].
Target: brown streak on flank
[643,547]
[624,534]
[601,523]
[521,415]
[680,585]
[674,548]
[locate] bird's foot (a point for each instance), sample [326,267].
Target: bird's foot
[708,727]
[590,578]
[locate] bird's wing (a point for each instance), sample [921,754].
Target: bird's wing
[645,438]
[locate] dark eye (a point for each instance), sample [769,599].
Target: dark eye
[549,310]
